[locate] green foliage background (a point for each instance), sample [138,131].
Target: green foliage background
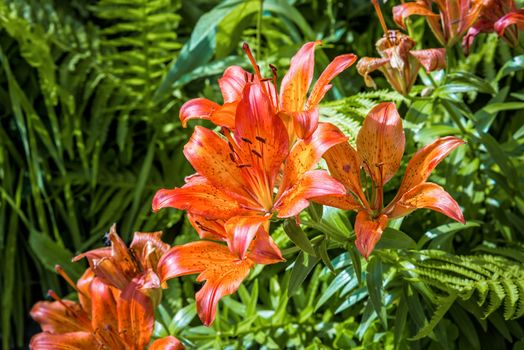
[89,129]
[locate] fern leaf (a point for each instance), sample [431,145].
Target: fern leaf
[443,305]
[496,296]
[511,299]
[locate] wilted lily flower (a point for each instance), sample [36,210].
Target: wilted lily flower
[492,12]
[222,267]
[252,171]
[129,268]
[398,61]
[298,111]
[104,318]
[380,146]
[450,25]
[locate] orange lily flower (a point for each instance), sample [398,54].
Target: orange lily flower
[380,146]
[398,61]
[450,25]
[299,112]
[489,16]
[221,267]
[252,171]
[104,318]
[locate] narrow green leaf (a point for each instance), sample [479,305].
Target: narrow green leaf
[375,288]
[302,267]
[298,236]
[395,239]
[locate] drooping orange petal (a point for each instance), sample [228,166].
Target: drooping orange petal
[367,65]
[322,86]
[403,11]
[66,341]
[207,228]
[380,142]
[296,82]
[513,18]
[264,250]
[103,315]
[315,183]
[344,165]
[241,230]
[135,317]
[200,198]
[225,115]
[368,232]
[425,160]
[166,343]
[306,153]
[221,269]
[232,83]
[212,158]
[427,195]
[56,317]
[197,108]
[347,202]
[430,59]
[260,134]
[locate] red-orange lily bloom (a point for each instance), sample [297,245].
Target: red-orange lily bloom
[492,12]
[380,146]
[221,267]
[450,25]
[299,112]
[104,318]
[507,26]
[398,61]
[252,171]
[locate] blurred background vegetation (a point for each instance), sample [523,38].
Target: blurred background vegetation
[89,130]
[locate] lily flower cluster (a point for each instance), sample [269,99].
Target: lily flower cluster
[260,166]
[117,295]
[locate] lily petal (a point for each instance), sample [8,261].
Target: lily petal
[430,59]
[431,196]
[207,228]
[201,198]
[367,65]
[135,317]
[261,135]
[212,158]
[315,183]
[306,153]
[67,341]
[403,11]
[241,231]
[264,249]
[197,108]
[425,160]
[232,83]
[296,82]
[104,314]
[148,248]
[347,202]
[305,122]
[380,142]
[322,86]
[56,317]
[166,343]
[222,271]
[344,165]
[368,232]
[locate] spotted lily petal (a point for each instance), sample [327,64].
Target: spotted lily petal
[264,250]
[380,142]
[197,108]
[222,271]
[104,314]
[427,195]
[367,65]
[233,82]
[403,11]
[60,317]
[368,232]
[208,228]
[148,248]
